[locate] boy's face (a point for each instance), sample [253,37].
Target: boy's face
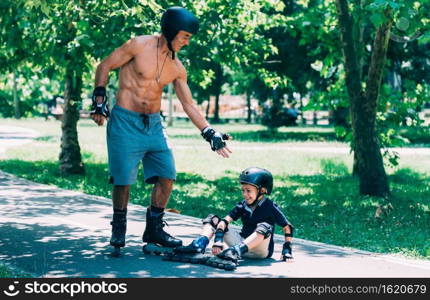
[249,193]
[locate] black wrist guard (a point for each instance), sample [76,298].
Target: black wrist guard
[287,252]
[214,138]
[219,236]
[291,232]
[100,108]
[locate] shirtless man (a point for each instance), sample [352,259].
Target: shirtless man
[134,129]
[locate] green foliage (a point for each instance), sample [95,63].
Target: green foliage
[9,272]
[5,272]
[230,40]
[6,103]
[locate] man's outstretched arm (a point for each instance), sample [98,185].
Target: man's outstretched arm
[216,139]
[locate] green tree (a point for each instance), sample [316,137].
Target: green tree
[364,98]
[67,38]
[230,40]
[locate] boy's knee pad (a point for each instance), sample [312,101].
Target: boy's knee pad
[265,229]
[211,219]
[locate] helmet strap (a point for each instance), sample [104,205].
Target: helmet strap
[256,201]
[169,45]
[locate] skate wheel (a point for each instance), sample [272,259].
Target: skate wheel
[116,252]
[144,250]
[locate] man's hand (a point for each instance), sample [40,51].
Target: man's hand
[99,107]
[287,252]
[216,140]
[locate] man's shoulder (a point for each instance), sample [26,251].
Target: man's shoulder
[143,40]
[180,66]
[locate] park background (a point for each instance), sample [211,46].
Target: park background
[331,96]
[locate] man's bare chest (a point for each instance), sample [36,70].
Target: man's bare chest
[145,67]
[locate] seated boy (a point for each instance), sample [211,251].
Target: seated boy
[258,214]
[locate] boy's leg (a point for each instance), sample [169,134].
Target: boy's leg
[255,245]
[258,246]
[199,244]
[195,251]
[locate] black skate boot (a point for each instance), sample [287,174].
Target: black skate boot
[119,227]
[158,241]
[227,259]
[192,253]
[189,249]
[230,254]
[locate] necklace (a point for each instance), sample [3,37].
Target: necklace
[158,74]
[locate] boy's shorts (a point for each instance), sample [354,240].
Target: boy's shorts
[232,238]
[133,137]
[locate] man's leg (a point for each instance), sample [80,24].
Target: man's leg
[154,232]
[161,193]
[120,197]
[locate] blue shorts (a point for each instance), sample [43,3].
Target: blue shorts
[133,137]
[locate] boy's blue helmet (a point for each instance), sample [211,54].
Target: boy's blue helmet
[258,177]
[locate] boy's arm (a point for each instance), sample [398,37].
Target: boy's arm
[288,233]
[219,235]
[222,224]
[287,252]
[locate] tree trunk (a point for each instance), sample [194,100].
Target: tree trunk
[248,106]
[216,112]
[70,155]
[208,107]
[369,164]
[17,111]
[218,84]
[302,112]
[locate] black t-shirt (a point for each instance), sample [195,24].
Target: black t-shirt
[266,211]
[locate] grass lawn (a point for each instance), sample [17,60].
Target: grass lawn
[8,272]
[5,272]
[312,170]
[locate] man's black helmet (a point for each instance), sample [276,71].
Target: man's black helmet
[258,177]
[175,19]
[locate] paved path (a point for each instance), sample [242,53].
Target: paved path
[12,136]
[50,232]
